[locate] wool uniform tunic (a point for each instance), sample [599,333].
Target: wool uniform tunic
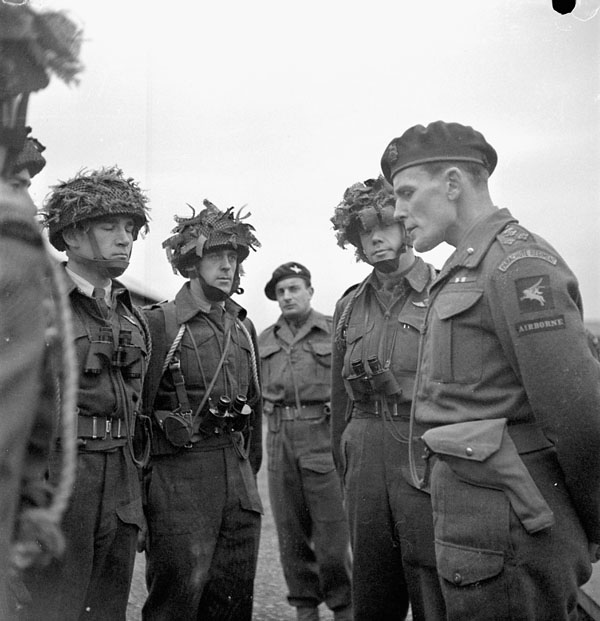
[304,487]
[504,339]
[203,507]
[391,521]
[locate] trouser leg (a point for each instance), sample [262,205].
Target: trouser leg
[329,525]
[517,575]
[378,583]
[292,519]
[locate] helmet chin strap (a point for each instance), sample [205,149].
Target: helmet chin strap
[214,294]
[108,268]
[387,266]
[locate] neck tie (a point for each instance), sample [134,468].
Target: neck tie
[98,295]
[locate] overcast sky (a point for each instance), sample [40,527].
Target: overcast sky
[281,105]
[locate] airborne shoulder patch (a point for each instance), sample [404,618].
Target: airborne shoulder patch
[526,253]
[534,293]
[547,324]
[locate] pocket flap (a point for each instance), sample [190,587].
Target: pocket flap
[451,303]
[318,462]
[475,440]
[132,513]
[464,566]
[319,347]
[268,350]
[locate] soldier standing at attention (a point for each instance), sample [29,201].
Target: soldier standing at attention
[377,329]
[203,393]
[510,386]
[95,217]
[304,488]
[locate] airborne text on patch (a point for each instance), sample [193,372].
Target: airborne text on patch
[527,253]
[541,325]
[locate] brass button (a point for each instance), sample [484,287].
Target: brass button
[469,451]
[457,578]
[470,250]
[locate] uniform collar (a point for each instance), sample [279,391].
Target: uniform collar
[83,287]
[417,276]
[315,320]
[477,240]
[188,305]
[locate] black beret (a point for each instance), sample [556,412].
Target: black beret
[438,142]
[287,270]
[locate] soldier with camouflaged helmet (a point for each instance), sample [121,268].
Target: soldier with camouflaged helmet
[377,327]
[202,392]
[95,217]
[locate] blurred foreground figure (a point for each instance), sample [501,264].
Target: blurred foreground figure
[304,487]
[203,394]
[377,329]
[95,218]
[507,380]
[36,371]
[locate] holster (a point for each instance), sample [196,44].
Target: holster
[483,453]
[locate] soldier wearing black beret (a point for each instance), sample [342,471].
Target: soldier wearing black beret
[305,491]
[508,382]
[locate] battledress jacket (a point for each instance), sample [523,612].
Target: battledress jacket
[370,330]
[504,338]
[236,376]
[297,368]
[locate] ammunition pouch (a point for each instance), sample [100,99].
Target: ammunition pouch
[483,453]
[177,426]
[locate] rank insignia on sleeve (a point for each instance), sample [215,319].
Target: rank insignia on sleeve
[534,294]
[512,234]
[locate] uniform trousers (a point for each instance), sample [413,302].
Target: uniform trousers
[307,505]
[391,527]
[204,517]
[92,579]
[492,569]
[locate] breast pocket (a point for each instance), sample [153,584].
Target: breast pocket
[317,358]
[198,361]
[357,338]
[457,337]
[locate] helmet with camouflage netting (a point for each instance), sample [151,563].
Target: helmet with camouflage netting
[209,230]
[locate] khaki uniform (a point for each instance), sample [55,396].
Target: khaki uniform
[504,340]
[304,488]
[391,522]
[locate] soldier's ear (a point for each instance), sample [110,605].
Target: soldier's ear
[454,179]
[72,237]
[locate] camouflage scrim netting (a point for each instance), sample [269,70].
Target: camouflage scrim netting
[92,195]
[211,228]
[364,205]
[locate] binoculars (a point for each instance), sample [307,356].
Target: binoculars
[233,416]
[102,353]
[377,380]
